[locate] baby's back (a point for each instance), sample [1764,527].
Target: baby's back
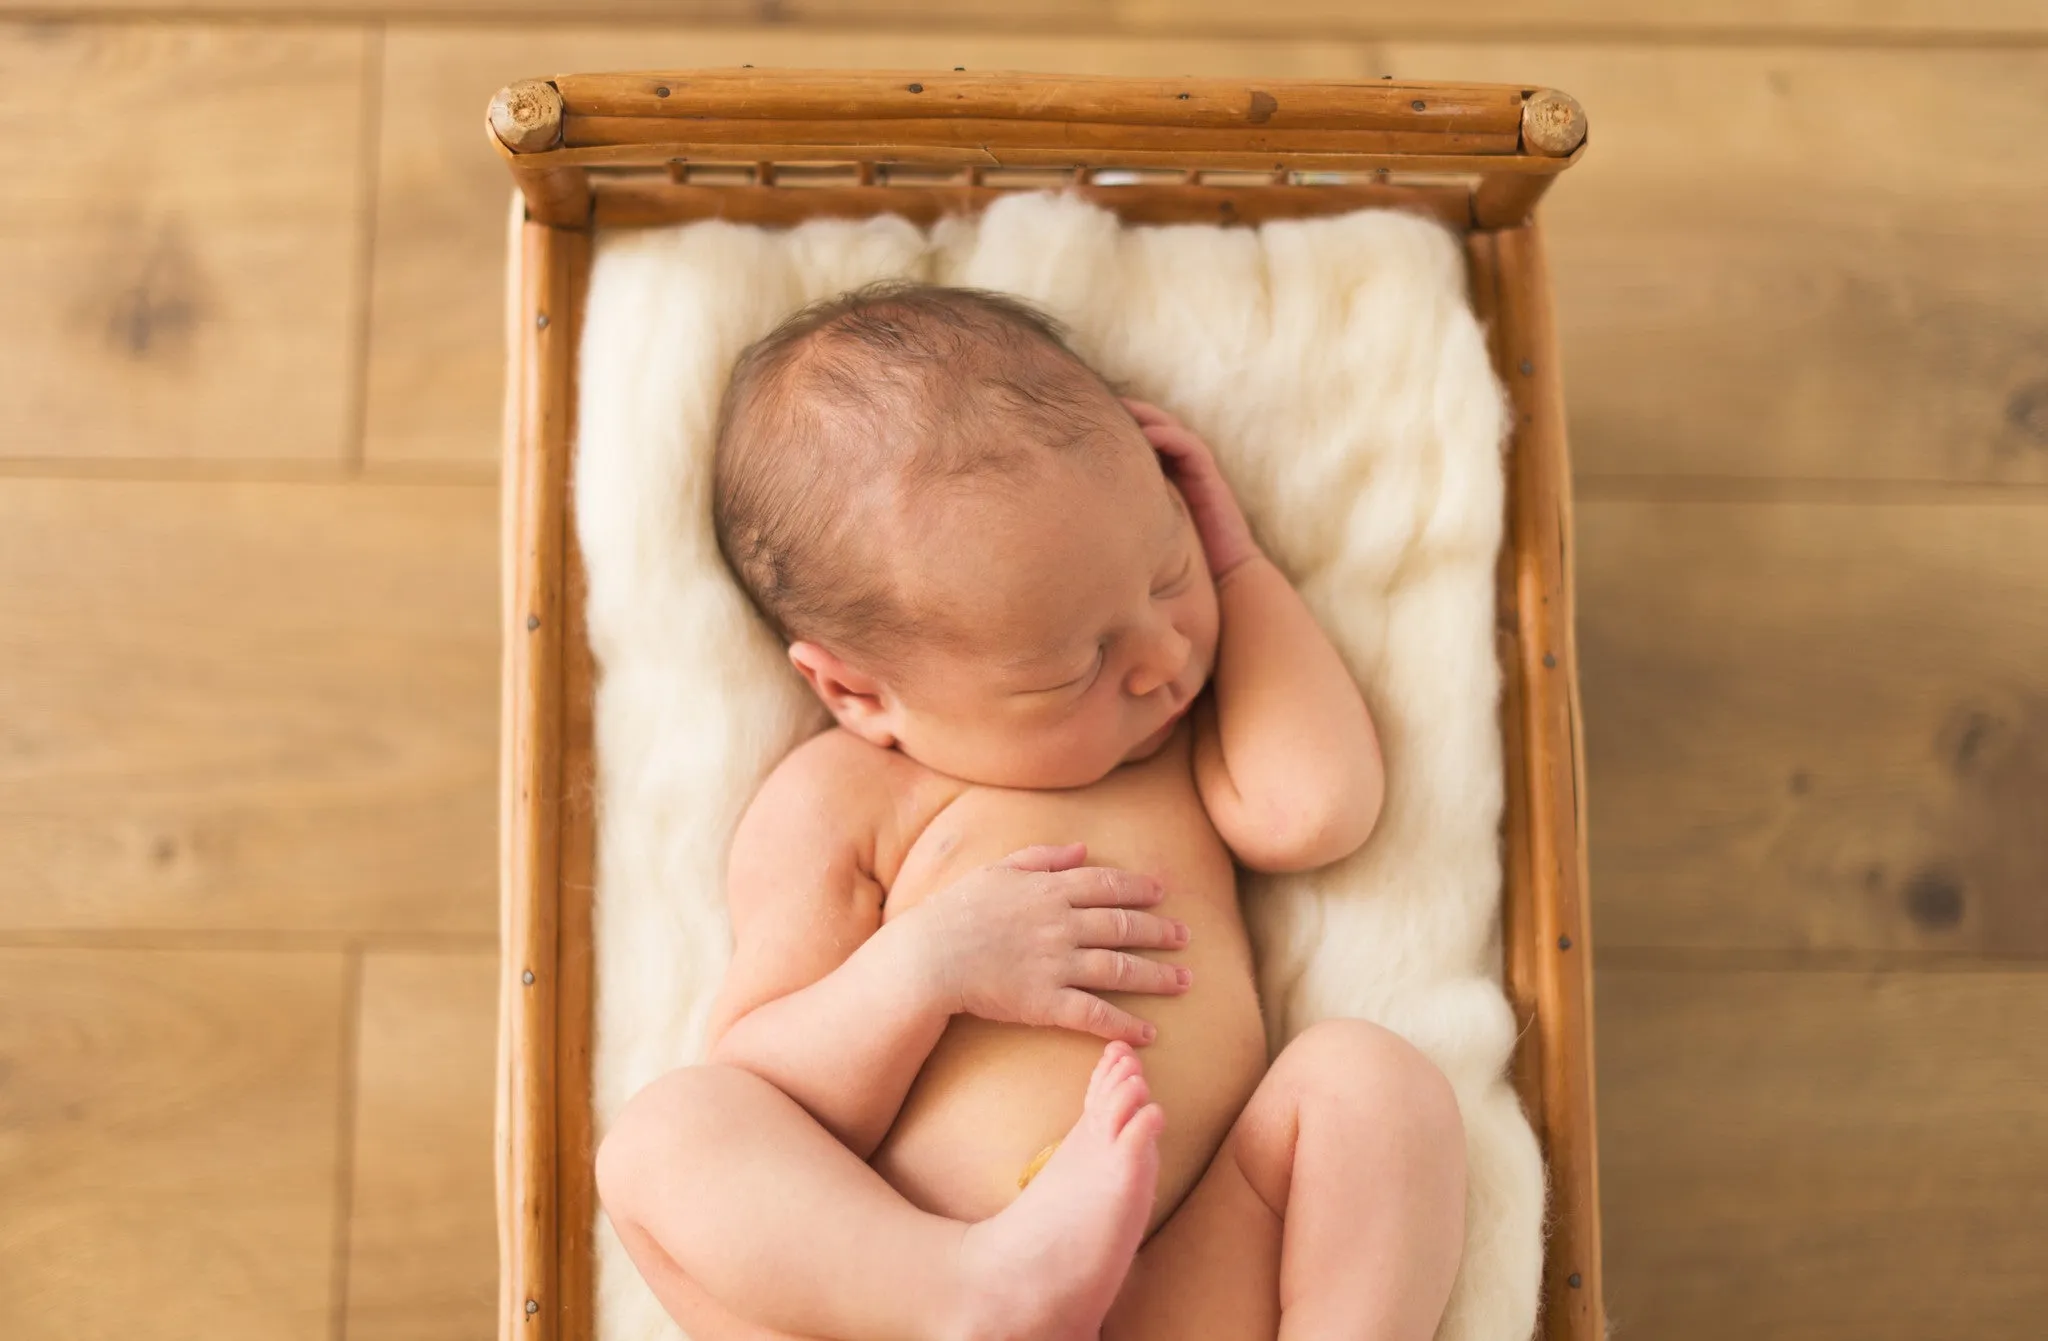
[993,1096]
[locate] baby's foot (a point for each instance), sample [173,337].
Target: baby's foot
[1049,1266]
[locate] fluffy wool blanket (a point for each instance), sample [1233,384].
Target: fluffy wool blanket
[1336,368]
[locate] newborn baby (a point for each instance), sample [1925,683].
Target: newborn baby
[1071,695]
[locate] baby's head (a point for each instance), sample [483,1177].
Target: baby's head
[969,546]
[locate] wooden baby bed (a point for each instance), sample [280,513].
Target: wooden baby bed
[778,147]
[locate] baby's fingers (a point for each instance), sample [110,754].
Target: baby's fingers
[1108,887]
[1114,971]
[1127,929]
[1177,444]
[1077,1010]
[1047,857]
[1147,413]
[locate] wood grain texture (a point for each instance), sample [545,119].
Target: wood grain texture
[242,706]
[1546,938]
[576,954]
[639,203]
[1016,100]
[1797,262]
[551,268]
[167,1144]
[726,12]
[435,355]
[683,11]
[1824,1156]
[1818,726]
[420,1261]
[1478,18]
[190,275]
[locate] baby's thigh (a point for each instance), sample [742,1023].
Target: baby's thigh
[1213,1269]
[690,1304]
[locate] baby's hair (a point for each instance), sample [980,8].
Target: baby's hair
[889,391]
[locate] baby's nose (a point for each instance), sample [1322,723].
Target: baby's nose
[1160,662]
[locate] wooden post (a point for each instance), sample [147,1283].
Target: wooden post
[1554,126]
[538,756]
[528,118]
[1546,929]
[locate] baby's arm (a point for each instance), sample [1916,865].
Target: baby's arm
[1286,757]
[821,1000]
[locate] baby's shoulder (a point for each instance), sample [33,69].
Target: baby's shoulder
[837,789]
[824,781]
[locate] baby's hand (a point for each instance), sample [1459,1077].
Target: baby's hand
[1226,536]
[1031,939]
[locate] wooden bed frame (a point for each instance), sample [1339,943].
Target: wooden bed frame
[778,147]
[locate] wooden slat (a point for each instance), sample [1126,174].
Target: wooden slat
[421,1265]
[1798,262]
[1546,939]
[1017,101]
[236,706]
[167,1143]
[575,956]
[435,355]
[1818,726]
[638,202]
[1824,1156]
[1022,142]
[190,292]
[1163,153]
[552,267]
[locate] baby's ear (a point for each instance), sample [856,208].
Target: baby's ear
[852,696]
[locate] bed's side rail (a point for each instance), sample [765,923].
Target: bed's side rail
[546,823]
[1546,931]
[620,149]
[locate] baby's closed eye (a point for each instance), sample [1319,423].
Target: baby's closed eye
[1179,581]
[1082,680]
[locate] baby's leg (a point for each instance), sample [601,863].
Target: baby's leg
[1336,1207]
[725,1191]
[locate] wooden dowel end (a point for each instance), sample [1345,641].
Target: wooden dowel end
[1553,123]
[527,116]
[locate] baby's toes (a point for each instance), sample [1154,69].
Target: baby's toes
[1111,1056]
[1124,1099]
[1142,1131]
[1119,1071]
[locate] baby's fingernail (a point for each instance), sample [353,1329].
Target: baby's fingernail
[1184,976]
[1180,931]
[1148,1032]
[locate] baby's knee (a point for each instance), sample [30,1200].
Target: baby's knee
[653,1136]
[1363,1073]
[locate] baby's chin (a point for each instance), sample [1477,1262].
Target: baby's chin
[1153,743]
[1041,774]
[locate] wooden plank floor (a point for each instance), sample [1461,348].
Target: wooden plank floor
[248,595]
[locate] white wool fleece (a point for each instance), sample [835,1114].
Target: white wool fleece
[1336,368]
